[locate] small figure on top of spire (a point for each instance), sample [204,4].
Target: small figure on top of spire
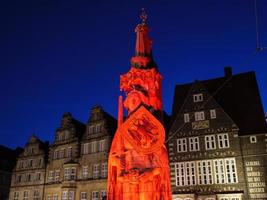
[143,15]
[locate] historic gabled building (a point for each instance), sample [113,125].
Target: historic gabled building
[77,166]
[28,176]
[217,140]
[64,153]
[95,146]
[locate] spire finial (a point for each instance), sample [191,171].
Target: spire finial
[143,15]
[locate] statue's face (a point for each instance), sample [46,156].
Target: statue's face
[132,101]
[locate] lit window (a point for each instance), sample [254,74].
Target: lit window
[69,152]
[55,197]
[38,176]
[36,195]
[85,149]
[223,140]
[40,162]
[30,163]
[213,114]
[95,171]
[64,195]
[181,145]
[210,142]
[67,174]
[56,154]
[60,136]
[231,173]
[102,145]
[198,97]
[199,116]
[193,144]
[83,196]
[219,171]
[16,196]
[51,176]
[103,194]
[57,175]
[28,177]
[73,173]
[66,134]
[253,139]
[185,173]
[62,153]
[71,195]
[94,147]
[91,129]
[85,172]
[25,195]
[98,128]
[204,172]
[19,178]
[104,170]
[95,195]
[186,118]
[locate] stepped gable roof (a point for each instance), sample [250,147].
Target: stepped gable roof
[70,123]
[111,122]
[237,94]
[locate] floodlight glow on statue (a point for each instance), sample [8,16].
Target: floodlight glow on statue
[138,166]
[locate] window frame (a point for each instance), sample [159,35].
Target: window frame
[198,97]
[223,142]
[194,144]
[209,142]
[253,139]
[199,116]
[181,145]
[186,118]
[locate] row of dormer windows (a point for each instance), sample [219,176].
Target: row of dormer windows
[199,116]
[30,163]
[64,135]
[30,150]
[192,143]
[86,148]
[95,128]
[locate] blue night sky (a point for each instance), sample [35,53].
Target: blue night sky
[59,56]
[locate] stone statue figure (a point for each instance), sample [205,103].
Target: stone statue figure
[138,166]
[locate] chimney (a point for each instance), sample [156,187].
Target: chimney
[228,72]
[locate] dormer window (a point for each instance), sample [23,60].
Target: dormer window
[66,135]
[91,129]
[186,117]
[60,136]
[199,116]
[253,139]
[197,97]
[98,128]
[212,114]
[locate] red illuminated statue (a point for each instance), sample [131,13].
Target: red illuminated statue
[138,166]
